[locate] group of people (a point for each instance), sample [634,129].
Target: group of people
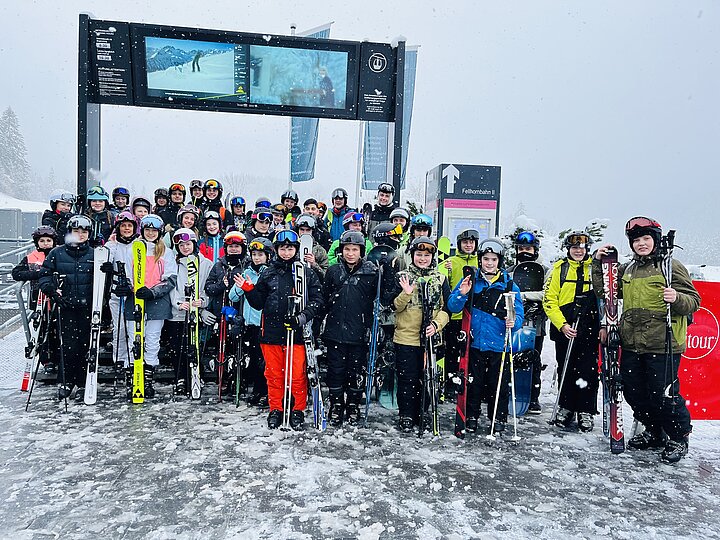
[358,259]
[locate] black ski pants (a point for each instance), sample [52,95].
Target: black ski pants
[347,364]
[644,381]
[409,363]
[256,369]
[579,391]
[537,369]
[484,371]
[75,324]
[453,348]
[177,350]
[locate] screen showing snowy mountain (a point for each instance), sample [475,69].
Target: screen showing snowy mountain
[195,69]
[298,77]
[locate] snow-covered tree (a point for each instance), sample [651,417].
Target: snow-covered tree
[15,174]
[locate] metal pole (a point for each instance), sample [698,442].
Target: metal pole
[88,148]
[293,27]
[398,131]
[360,161]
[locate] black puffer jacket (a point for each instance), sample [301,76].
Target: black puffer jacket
[270,295]
[75,262]
[169,215]
[58,221]
[215,285]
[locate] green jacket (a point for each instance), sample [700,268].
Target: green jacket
[408,308]
[640,285]
[456,274]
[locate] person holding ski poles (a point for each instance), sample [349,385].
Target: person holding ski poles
[571,306]
[651,351]
[73,265]
[409,354]
[489,325]
[270,294]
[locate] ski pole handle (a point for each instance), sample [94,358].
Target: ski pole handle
[510,304]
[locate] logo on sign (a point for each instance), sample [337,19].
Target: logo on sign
[702,335]
[377,62]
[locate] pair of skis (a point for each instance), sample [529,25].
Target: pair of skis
[190,351]
[371,371]
[37,329]
[431,387]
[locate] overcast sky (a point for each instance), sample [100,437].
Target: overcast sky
[592,109]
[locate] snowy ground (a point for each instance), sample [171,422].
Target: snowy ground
[216,76]
[206,470]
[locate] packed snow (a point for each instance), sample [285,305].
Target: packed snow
[185,470]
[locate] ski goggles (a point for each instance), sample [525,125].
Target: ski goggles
[212,184]
[256,245]
[581,240]
[121,191]
[236,201]
[177,187]
[264,216]
[287,237]
[355,217]
[183,237]
[641,222]
[425,246]
[526,237]
[234,238]
[96,190]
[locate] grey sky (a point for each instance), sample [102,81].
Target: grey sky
[593,109]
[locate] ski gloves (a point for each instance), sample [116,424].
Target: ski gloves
[143,293]
[107,267]
[207,317]
[295,321]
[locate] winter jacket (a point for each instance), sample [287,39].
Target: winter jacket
[102,223]
[231,220]
[29,270]
[270,295]
[251,234]
[75,262]
[160,278]
[378,215]
[252,316]
[408,307]
[215,286]
[334,255]
[169,216]
[459,262]
[58,221]
[535,315]
[177,295]
[121,252]
[640,285]
[487,325]
[349,297]
[322,236]
[559,301]
[333,221]
[212,247]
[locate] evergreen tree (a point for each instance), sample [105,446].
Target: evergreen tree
[15,174]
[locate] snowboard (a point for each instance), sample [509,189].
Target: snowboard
[528,276]
[101,255]
[380,253]
[139,254]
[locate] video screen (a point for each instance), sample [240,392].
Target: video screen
[203,70]
[298,77]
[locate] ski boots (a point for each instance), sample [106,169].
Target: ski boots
[275,419]
[471,424]
[647,439]
[181,388]
[406,424]
[564,418]
[534,408]
[499,428]
[586,422]
[352,414]
[149,389]
[258,400]
[80,394]
[297,420]
[674,450]
[65,391]
[337,413]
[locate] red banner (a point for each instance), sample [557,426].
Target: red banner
[700,365]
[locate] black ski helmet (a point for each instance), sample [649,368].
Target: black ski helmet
[385,187]
[121,191]
[196,184]
[44,231]
[162,193]
[353,238]
[263,244]
[387,234]
[640,226]
[213,184]
[422,243]
[177,186]
[468,234]
[286,238]
[289,194]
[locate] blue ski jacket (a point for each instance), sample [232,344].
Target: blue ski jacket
[252,316]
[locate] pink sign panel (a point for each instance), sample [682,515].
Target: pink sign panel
[470,203]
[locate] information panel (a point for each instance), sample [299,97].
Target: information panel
[110,63]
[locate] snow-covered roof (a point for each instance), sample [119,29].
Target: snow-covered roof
[6,201]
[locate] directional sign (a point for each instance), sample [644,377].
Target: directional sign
[452,174]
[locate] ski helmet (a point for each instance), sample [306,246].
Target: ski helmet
[177,186]
[527,238]
[386,188]
[263,202]
[121,191]
[184,235]
[387,234]
[401,213]
[305,220]
[352,217]
[126,216]
[44,231]
[262,244]
[195,184]
[237,201]
[468,234]
[492,245]
[286,238]
[213,184]
[162,193]
[353,238]
[290,194]
[421,221]
[141,201]
[235,238]
[152,221]
[339,193]
[61,196]
[322,209]
[212,214]
[640,226]
[79,221]
[577,239]
[278,209]
[422,243]
[97,193]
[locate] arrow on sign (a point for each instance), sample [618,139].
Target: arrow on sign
[452,174]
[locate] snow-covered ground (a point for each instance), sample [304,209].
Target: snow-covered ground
[206,470]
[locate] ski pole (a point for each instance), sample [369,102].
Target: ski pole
[46,328]
[553,417]
[510,308]
[667,245]
[509,298]
[58,279]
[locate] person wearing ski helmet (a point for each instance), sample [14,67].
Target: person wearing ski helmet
[260,224]
[185,244]
[160,280]
[236,215]
[271,294]
[310,206]
[384,207]
[187,217]
[335,216]
[317,259]
[169,214]
[196,192]
[401,216]
[290,200]
[61,204]
[260,251]
[349,295]
[211,242]
[212,191]
[99,213]
[420,226]
[388,234]
[650,350]
[421,276]
[570,304]
[71,299]
[140,207]
[490,322]
[527,250]
[162,199]
[120,199]
[278,213]
[352,221]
